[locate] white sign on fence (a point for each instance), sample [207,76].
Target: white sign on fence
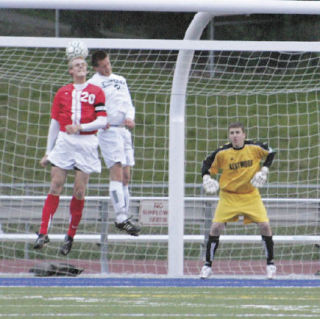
[153,212]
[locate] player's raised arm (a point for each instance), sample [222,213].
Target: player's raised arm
[51,140]
[210,185]
[260,178]
[99,122]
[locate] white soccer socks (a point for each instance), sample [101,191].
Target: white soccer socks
[126,195]
[117,199]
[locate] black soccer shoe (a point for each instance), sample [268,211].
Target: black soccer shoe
[128,227]
[66,247]
[41,241]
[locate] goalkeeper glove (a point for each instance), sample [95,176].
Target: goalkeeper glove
[260,177]
[210,185]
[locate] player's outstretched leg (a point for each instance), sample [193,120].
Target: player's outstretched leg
[122,221]
[49,208]
[41,241]
[76,208]
[66,246]
[271,269]
[129,227]
[212,246]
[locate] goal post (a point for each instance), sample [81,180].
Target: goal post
[177,147]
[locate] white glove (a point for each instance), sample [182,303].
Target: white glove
[210,185]
[260,177]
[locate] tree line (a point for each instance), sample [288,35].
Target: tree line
[159,25]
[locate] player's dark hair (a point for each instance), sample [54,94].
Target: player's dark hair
[236,125]
[98,56]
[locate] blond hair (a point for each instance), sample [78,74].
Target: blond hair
[70,63]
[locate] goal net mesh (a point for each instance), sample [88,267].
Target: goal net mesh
[274,94]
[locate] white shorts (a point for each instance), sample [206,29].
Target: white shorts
[116,146]
[76,151]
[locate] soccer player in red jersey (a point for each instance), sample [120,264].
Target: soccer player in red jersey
[78,111]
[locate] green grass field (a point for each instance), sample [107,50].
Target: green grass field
[159,302]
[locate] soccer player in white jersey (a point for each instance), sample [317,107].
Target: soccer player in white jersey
[78,111]
[115,141]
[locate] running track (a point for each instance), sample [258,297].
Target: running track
[152,282]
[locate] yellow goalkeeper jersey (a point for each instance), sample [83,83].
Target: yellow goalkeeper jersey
[238,166]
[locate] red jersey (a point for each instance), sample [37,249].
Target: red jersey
[72,106]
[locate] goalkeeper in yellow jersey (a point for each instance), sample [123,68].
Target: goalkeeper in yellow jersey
[239,163]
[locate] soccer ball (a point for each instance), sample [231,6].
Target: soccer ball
[76,48]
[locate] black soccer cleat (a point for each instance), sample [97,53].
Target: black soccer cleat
[67,245]
[128,227]
[41,241]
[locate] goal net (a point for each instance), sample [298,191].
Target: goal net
[273,93]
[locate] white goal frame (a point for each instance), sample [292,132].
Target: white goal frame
[175,238]
[186,47]
[217,7]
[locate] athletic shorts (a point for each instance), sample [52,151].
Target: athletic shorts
[74,151]
[231,206]
[116,146]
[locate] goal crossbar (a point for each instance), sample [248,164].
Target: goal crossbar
[217,7]
[51,42]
